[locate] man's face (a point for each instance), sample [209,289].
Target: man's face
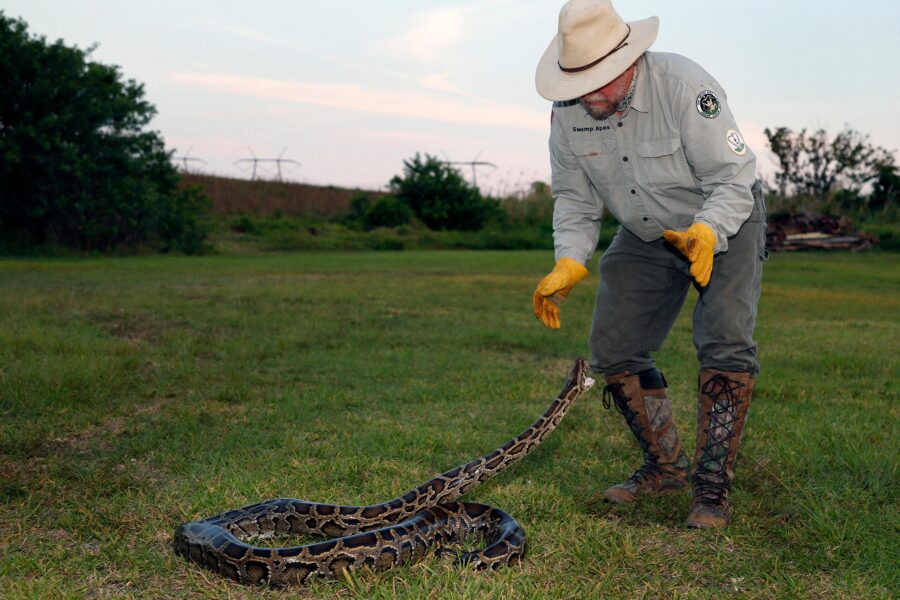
[601,103]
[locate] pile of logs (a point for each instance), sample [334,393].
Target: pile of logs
[806,231]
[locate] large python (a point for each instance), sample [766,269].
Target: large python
[378,537]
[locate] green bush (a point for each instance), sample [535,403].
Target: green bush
[887,232]
[77,168]
[440,197]
[533,208]
[182,224]
[527,225]
[245,224]
[359,203]
[386,211]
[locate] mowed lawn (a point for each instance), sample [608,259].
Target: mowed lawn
[138,393]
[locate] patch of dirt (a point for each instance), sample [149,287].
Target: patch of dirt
[130,325]
[44,469]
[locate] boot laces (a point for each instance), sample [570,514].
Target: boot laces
[712,480]
[611,392]
[613,396]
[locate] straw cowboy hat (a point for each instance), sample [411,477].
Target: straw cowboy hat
[593,47]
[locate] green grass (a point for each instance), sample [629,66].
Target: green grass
[137,393]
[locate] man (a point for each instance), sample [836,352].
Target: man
[650,137]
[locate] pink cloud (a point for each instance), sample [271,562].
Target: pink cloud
[766,161]
[395,103]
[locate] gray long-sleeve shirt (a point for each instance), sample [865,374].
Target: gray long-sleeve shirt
[675,157]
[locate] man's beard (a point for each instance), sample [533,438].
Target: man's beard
[599,115]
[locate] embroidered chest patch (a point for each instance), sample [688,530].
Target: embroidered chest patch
[708,104]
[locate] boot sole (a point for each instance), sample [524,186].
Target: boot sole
[616,499]
[701,525]
[692,523]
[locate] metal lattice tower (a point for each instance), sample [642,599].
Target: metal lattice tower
[474,163]
[256,161]
[184,160]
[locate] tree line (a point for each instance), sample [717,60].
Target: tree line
[77,166]
[846,168]
[79,169]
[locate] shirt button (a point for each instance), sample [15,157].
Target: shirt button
[634,191]
[624,159]
[621,123]
[646,219]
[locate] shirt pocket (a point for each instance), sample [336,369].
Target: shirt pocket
[598,159]
[661,163]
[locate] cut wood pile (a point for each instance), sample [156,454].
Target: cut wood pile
[807,231]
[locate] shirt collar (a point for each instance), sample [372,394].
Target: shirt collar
[641,101]
[624,105]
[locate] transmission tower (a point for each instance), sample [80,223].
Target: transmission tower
[184,160]
[256,161]
[474,163]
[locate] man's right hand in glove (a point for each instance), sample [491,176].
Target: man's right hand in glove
[554,287]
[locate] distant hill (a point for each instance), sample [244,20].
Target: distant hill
[241,196]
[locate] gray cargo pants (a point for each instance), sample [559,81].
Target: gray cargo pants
[643,286]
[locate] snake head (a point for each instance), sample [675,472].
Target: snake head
[578,380]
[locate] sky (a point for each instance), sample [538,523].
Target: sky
[351,88]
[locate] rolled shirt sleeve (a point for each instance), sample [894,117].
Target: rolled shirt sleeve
[577,207]
[719,158]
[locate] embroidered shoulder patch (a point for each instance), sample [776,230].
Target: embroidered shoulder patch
[736,142]
[708,104]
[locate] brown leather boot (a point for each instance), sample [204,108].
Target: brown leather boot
[641,399]
[723,403]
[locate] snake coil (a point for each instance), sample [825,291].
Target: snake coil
[380,536]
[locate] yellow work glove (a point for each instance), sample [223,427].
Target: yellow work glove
[698,243]
[554,287]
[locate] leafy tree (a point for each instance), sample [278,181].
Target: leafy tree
[386,211]
[814,165]
[885,188]
[439,195]
[76,165]
[359,204]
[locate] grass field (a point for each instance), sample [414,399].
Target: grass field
[139,393]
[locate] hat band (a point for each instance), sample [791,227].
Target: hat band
[621,45]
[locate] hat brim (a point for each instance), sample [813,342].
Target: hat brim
[555,84]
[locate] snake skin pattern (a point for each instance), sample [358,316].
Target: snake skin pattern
[377,537]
